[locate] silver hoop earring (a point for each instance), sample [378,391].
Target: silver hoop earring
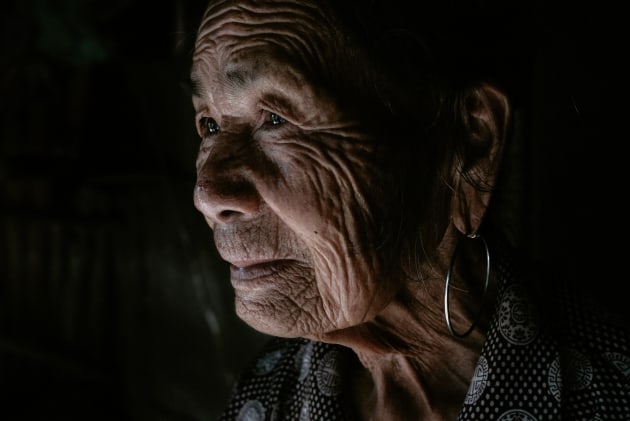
[447,286]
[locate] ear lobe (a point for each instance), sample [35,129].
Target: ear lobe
[485,114]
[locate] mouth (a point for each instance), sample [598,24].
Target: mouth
[256,275]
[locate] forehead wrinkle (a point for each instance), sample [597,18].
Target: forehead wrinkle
[228,28]
[275,87]
[244,11]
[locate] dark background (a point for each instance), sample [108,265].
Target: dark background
[113,304]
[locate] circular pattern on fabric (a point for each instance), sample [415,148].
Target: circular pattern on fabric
[252,411]
[279,394]
[554,379]
[304,412]
[267,363]
[328,378]
[579,370]
[621,361]
[516,415]
[478,383]
[517,317]
[303,361]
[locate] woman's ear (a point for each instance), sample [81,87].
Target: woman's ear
[486,114]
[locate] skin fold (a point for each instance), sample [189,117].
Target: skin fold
[298,178]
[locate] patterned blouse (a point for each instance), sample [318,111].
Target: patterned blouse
[575,366]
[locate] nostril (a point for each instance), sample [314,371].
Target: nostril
[227,214]
[225,200]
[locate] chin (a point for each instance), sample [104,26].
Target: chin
[278,321]
[268,320]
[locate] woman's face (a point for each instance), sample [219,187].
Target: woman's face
[291,182]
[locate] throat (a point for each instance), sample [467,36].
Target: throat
[395,387]
[410,366]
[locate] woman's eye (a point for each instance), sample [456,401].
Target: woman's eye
[275,119]
[209,125]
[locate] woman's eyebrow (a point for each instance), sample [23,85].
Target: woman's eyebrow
[194,87]
[240,78]
[280,103]
[272,93]
[237,79]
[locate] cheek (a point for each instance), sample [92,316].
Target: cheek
[331,198]
[324,188]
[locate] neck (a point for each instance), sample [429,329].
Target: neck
[410,363]
[398,387]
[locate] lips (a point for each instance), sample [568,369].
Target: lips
[252,270]
[255,275]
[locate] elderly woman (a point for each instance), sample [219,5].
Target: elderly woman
[347,171]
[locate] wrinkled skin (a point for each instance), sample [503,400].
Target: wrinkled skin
[293,206]
[295,178]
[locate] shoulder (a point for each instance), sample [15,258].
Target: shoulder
[289,379]
[593,354]
[552,351]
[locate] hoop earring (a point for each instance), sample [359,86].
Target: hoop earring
[447,286]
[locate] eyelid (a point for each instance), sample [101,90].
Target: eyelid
[199,126]
[267,116]
[276,104]
[199,116]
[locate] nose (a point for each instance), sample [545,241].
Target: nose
[225,191]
